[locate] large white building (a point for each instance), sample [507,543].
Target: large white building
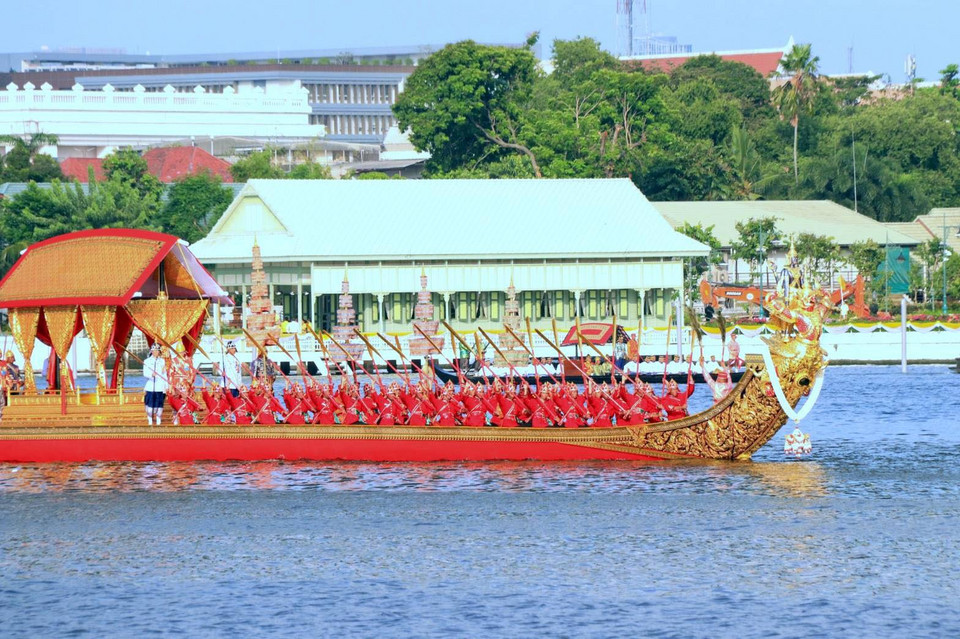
[95,123]
[589,248]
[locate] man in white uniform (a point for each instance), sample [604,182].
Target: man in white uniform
[155,389]
[232,372]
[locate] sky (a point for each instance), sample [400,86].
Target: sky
[881,32]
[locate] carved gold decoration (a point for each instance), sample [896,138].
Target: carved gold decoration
[168,319]
[77,268]
[23,325]
[98,321]
[61,322]
[175,274]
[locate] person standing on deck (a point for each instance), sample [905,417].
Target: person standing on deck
[155,389]
[232,372]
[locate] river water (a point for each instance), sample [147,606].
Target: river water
[860,539]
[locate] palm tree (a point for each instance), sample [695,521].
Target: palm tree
[797,93]
[21,158]
[746,165]
[32,144]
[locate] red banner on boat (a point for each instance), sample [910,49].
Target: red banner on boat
[593,332]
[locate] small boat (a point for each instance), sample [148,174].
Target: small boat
[157,285]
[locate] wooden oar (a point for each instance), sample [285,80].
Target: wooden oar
[613,365]
[554,379]
[326,353]
[373,351]
[396,348]
[263,353]
[563,369]
[478,355]
[500,353]
[442,354]
[353,361]
[585,376]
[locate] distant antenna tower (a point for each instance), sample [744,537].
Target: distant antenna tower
[910,68]
[850,59]
[633,28]
[625,27]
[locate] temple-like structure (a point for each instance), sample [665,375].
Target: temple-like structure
[423,320]
[343,330]
[262,321]
[509,346]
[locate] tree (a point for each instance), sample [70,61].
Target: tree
[866,257]
[194,204]
[700,265]
[949,84]
[819,252]
[309,171]
[129,167]
[466,102]
[797,93]
[256,166]
[756,237]
[746,167]
[735,80]
[25,163]
[928,257]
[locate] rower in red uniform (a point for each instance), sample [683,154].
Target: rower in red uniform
[675,402]
[475,413]
[650,404]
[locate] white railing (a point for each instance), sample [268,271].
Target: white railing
[28,98]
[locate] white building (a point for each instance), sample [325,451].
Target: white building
[95,123]
[589,248]
[819,217]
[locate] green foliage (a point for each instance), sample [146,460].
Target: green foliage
[818,252]
[373,175]
[260,166]
[466,102]
[129,167]
[194,204]
[757,236]
[866,257]
[699,265]
[309,171]
[949,84]
[733,80]
[25,163]
[797,94]
[712,129]
[256,166]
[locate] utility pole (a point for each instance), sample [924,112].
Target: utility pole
[944,264]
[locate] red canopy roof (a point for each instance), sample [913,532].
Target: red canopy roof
[106,266]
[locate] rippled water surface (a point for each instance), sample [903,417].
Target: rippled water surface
[861,539]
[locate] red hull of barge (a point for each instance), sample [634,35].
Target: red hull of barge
[320,449]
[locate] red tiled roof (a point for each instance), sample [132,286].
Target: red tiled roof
[172,163]
[765,62]
[77,169]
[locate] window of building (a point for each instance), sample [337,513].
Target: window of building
[546,304]
[481,312]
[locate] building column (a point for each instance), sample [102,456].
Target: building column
[383,324]
[642,301]
[243,305]
[576,303]
[313,309]
[299,302]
